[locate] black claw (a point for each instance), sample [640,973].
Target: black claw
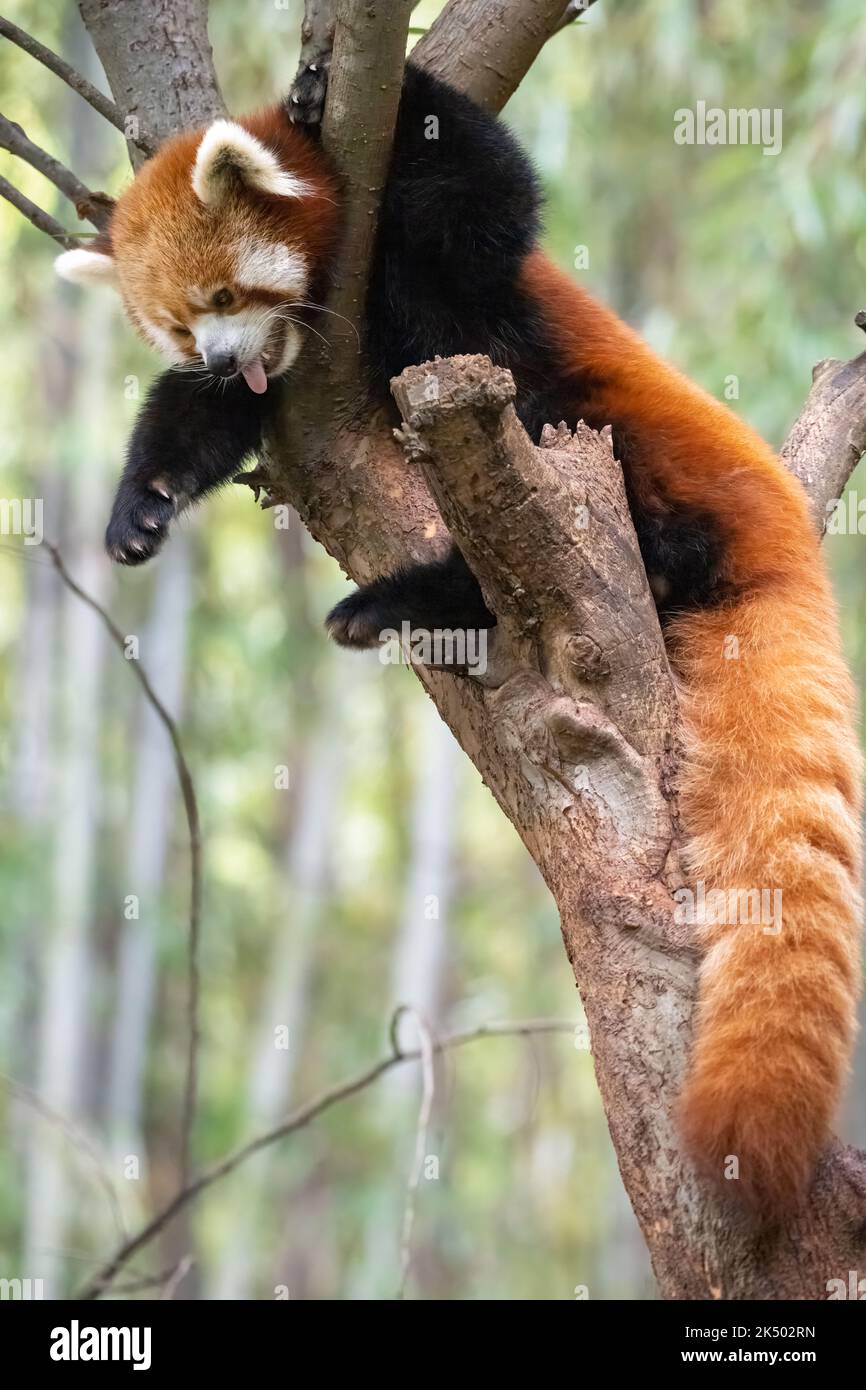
[305,103]
[139,524]
[357,621]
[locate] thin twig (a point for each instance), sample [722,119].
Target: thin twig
[43,221]
[93,207]
[190,803]
[299,1120]
[428,1090]
[92,95]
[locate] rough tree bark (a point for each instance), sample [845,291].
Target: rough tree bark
[574,727]
[158,61]
[829,437]
[485,47]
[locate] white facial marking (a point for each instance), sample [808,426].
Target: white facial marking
[270,265]
[161,340]
[245,336]
[84,267]
[292,346]
[228,151]
[235,334]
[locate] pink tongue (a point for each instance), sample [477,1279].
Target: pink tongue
[254,376]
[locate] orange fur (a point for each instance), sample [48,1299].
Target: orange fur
[162,236]
[770,790]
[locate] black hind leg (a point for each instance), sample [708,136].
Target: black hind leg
[441,595]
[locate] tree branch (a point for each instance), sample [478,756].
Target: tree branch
[299,1120]
[92,95]
[43,221]
[91,207]
[486,47]
[583,768]
[551,521]
[357,131]
[829,438]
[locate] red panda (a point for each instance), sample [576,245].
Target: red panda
[220,249]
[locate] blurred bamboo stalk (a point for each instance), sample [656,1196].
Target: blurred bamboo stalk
[68,964]
[286,991]
[417,981]
[152,809]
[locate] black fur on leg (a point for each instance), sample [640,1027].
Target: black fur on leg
[459,214]
[189,437]
[438,596]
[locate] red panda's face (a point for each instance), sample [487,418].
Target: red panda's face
[216,244]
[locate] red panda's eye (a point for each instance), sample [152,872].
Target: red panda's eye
[222,299]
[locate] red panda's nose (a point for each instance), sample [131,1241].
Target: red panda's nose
[221,363]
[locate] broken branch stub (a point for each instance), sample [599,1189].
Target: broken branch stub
[547,530]
[583,691]
[829,435]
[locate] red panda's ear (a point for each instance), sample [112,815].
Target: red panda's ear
[86,266]
[229,156]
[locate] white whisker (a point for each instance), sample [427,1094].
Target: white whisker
[302,304]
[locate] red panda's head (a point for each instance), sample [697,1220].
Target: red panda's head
[219,235]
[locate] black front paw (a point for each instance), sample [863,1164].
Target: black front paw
[359,620]
[139,523]
[305,103]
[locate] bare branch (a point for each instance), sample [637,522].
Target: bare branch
[92,207]
[486,47]
[92,95]
[299,1120]
[357,131]
[43,221]
[190,802]
[549,532]
[828,439]
[363,96]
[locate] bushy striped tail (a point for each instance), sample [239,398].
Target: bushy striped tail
[771,800]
